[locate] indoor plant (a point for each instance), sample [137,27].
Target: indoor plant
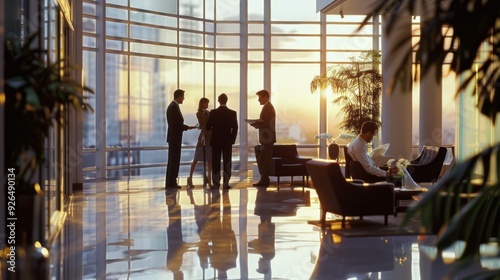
[465,204]
[358,86]
[38,93]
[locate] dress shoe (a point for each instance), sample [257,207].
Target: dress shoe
[213,187]
[227,187]
[190,182]
[261,184]
[173,187]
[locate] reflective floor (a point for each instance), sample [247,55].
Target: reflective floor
[134,229]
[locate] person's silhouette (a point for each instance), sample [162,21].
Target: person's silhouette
[224,246]
[264,244]
[201,212]
[176,247]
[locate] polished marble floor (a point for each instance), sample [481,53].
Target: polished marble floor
[134,229]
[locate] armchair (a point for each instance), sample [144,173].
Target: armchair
[336,195]
[287,162]
[427,166]
[354,170]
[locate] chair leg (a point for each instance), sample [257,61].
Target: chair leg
[385,220]
[291,181]
[343,221]
[322,217]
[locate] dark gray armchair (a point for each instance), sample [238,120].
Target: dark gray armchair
[338,196]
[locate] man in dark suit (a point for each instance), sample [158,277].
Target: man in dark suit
[267,137]
[176,127]
[224,125]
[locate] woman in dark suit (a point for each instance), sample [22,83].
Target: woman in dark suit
[203,143]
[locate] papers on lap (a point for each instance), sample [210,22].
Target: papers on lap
[252,121]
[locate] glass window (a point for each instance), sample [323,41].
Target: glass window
[294,42]
[191,39]
[153,34]
[89,25]
[228,28]
[294,103]
[228,55]
[164,6]
[116,13]
[293,10]
[89,42]
[224,41]
[348,43]
[256,28]
[295,29]
[295,56]
[151,49]
[116,29]
[209,9]
[116,100]
[256,42]
[116,45]
[191,53]
[148,18]
[255,55]
[209,27]
[88,9]
[195,25]
[227,9]
[256,10]
[118,2]
[89,79]
[147,102]
[193,8]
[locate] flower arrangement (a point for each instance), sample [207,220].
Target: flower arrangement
[400,164]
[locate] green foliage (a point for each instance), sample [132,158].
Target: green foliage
[465,204]
[38,93]
[359,88]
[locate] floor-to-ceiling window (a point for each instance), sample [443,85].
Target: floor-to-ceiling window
[150,48]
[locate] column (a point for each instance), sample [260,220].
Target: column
[397,106]
[430,114]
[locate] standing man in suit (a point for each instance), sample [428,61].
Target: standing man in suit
[176,126]
[224,126]
[267,137]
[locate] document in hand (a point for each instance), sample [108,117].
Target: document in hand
[378,154]
[252,121]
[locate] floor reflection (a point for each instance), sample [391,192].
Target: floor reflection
[137,230]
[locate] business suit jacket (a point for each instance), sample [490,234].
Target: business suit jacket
[175,122]
[267,128]
[224,125]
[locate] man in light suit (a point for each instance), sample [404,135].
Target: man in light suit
[224,126]
[176,127]
[267,137]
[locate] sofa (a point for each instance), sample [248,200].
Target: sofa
[338,196]
[286,161]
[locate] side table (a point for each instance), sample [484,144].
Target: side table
[405,194]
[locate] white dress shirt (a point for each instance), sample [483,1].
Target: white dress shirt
[358,150]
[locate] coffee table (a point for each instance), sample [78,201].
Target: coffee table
[405,194]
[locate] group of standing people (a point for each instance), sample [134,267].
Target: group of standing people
[219,129]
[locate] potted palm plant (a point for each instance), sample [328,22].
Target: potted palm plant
[37,92]
[358,86]
[465,204]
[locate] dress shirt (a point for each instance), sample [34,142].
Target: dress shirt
[358,150]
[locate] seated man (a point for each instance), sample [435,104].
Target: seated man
[358,150]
